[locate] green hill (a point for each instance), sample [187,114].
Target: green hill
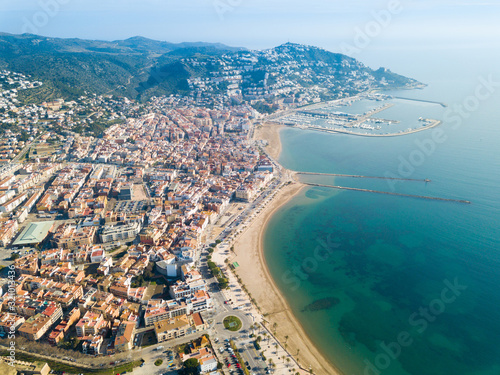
[139,68]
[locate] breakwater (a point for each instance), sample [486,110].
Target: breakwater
[422,100]
[390,193]
[359,176]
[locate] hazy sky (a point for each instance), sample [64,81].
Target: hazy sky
[335,25]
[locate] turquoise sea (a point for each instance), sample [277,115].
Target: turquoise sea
[394,285]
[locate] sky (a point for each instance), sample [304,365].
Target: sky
[360,28]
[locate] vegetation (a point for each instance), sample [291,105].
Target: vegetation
[239,358]
[264,108]
[147,277]
[214,269]
[221,279]
[139,68]
[232,323]
[75,369]
[158,362]
[223,282]
[184,348]
[136,67]
[191,367]
[71,343]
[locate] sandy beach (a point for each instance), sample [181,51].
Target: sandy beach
[255,275]
[271,134]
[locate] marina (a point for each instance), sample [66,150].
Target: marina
[432,124]
[359,118]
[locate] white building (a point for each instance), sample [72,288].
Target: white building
[120,232]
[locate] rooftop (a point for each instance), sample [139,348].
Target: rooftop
[34,233]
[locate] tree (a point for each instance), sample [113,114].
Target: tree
[223,283]
[191,367]
[191,363]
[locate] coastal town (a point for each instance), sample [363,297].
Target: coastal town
[239,187]
[131,231]
[116,249]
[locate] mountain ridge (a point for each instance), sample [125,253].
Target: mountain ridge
[139,67]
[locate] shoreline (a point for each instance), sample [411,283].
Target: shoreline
[254,271]
[255,275]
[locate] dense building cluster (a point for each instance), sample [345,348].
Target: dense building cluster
[285,75]
[114,224]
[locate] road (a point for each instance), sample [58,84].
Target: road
[221,311]
[26,148]
[241,306]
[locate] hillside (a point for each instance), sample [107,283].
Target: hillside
[139,68]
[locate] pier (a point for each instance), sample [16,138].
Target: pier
[390,193]
[358,176]
[423,101]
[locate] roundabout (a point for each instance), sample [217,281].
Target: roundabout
[232,323]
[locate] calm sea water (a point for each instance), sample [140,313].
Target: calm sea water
[393,285]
